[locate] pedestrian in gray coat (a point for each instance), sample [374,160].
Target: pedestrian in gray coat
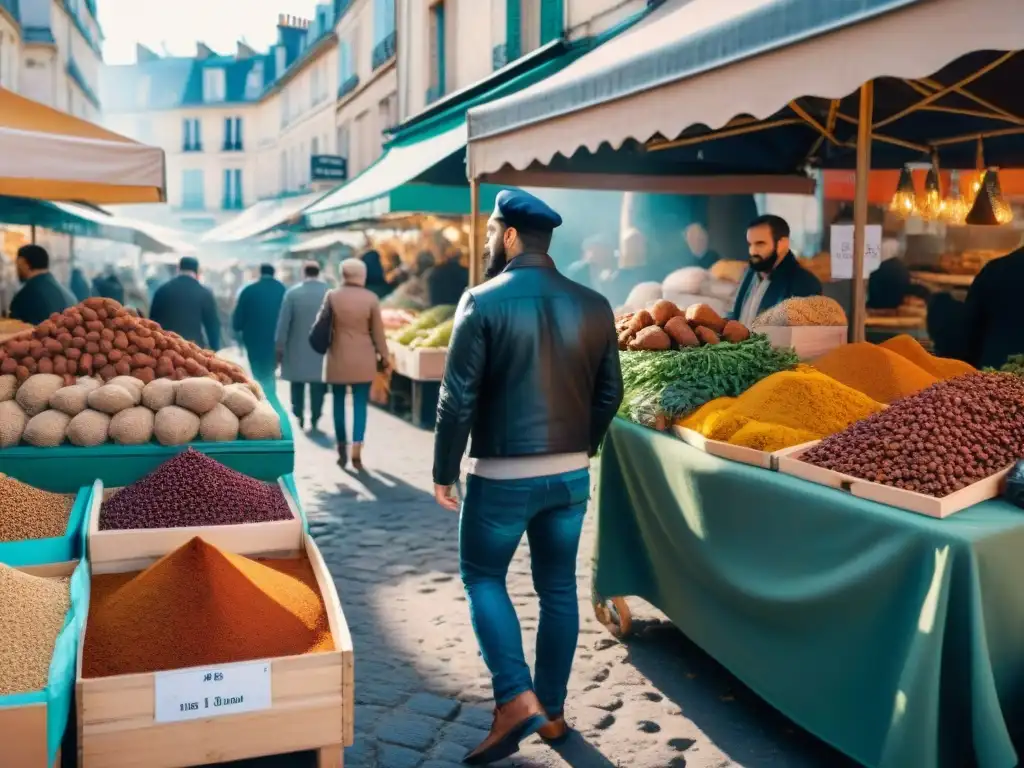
[300,364]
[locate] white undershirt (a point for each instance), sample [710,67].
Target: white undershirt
[523,467]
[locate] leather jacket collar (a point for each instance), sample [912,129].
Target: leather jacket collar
[530,260]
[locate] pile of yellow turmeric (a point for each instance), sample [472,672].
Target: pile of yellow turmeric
[782,410]
[940,367]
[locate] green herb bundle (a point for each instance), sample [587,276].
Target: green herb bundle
[1014,364]
[677,383]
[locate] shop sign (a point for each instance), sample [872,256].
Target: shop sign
[203,692]
[842,250]
[328,168]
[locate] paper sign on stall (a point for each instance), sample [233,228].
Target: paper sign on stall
[842,250]
[195,694]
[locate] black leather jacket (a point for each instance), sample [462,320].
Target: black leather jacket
[533,369]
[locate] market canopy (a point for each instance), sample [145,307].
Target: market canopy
[87,221]
[329,240]
[49,155]
[660,86]
[260,218]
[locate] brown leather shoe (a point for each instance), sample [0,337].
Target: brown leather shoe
[556,730]
[513,722]
[357,457]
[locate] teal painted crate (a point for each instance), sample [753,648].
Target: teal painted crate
[34,723]
[67,468]
[59,549]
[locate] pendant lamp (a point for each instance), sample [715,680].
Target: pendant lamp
[990,208]
[930,204]
[955,206]
[904,202]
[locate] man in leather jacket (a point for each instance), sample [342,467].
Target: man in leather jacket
[533,375]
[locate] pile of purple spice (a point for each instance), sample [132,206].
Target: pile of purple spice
[192,489]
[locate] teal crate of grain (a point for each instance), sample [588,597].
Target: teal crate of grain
[56,549]
[32,724]
[66,468]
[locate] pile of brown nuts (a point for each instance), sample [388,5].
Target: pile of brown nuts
[942,439]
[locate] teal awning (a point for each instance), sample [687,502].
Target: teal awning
[87,221]
[260,218]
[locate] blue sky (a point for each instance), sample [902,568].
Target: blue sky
[178,24]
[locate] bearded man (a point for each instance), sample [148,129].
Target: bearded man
[533,377]
[774,274]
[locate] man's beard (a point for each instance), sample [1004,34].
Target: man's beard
[764,265]
[496,260]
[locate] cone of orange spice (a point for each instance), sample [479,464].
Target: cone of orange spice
[199,606]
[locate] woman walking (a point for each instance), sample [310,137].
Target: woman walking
[349,330]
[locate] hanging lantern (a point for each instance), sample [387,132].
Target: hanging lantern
[955,207]
[990,207]
[904,202]
[930,204]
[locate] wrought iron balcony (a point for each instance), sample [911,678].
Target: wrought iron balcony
[384,50]
[348,86]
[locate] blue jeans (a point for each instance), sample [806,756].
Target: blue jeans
[360,401]
[495,515]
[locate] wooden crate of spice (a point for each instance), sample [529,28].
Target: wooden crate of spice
[310,706]
[32,724]
[722,449]
[141,544]
[790,463]
[426,364]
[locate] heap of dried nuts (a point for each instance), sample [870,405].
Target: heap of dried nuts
[101,338]
[192,490]
[942,439]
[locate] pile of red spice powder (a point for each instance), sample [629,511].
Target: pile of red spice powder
[199,606]
[193,490]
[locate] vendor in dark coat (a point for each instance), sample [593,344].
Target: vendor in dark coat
[80,285]
[774,274]
[255,322]
[187,307]
[994,313]
[40,294]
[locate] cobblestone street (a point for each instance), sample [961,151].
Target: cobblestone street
[422,692]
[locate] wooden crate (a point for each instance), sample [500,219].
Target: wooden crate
[808,341]
[23,733]
[311,709]
[789,463]
[426,364]
[725,450]
[141,544]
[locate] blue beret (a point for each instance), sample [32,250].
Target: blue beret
[524,211]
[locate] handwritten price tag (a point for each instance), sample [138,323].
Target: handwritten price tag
[196,694]
[842,250]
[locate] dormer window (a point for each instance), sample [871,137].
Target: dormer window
[254,81]
[214,85]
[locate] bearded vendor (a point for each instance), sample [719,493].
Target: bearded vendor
[773,274]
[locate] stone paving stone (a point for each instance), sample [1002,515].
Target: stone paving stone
[433,706]
[361,754]
[408,730]
[366,716]
[464,735]
[379,695]
[447,750]
[476,717]
[439,764]
[390,756]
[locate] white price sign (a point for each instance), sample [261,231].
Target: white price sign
[196,694]
[842,250]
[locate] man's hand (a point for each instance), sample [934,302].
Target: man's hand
[445,496]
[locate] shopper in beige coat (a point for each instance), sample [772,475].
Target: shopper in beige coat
[349,329]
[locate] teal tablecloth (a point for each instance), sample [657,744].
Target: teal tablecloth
[897,638]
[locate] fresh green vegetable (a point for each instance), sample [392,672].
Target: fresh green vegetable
[1014,364]
[423,324]
[676,383]
[436,338]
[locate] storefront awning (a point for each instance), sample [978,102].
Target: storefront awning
[49,155]
[85,221]
[260,218]
[329,240]
[684,67]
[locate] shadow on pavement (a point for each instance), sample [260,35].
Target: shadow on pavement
[722,706]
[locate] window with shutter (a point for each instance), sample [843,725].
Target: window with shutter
[513,30]
[552,20]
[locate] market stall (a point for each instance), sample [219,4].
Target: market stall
[98,393]
[418,346]
[831,514]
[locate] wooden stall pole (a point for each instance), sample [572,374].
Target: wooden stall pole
[475,260]
[860,208]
